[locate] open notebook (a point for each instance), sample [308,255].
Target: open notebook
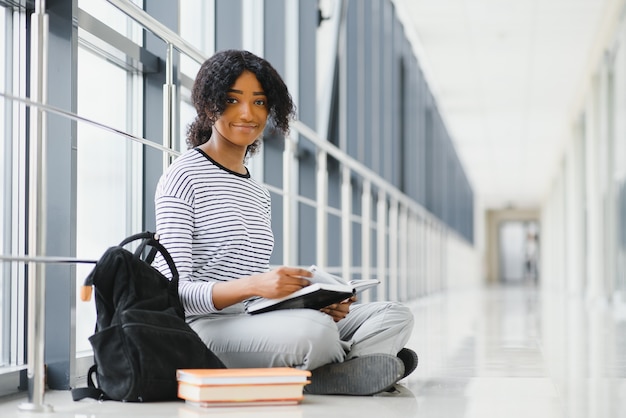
[325,289]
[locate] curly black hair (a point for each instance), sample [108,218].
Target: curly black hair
[217,75]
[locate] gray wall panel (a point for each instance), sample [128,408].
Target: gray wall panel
[228,23]
[307,113]
[166,11]
[61,196]
[274,52]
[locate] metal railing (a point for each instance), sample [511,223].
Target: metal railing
[36,213]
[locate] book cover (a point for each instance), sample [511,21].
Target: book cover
[291,392]
[325,289]
[243,376]
[263,409]
[269,402]
[315,296]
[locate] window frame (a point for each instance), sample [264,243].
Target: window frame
[13,288]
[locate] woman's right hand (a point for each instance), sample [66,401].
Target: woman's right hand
[280,282]
[273,284]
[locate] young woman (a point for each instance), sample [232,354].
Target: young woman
[215,221]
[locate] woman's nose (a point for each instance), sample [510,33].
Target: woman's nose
[245,111]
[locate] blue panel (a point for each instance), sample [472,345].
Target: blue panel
[228,24]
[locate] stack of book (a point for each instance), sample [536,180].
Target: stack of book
[235,387]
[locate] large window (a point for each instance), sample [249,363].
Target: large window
[109,166]
[108,197]
[5,313]
[619,162]
[108,177]
[12,34]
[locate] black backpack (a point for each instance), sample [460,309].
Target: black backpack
[141,336]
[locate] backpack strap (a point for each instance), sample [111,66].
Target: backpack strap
[148,239]
[91,391]
[152,241]
[137,237]
[89,279]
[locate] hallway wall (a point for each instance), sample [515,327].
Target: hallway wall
[584,213]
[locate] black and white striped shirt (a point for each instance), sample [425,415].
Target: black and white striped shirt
[215,223]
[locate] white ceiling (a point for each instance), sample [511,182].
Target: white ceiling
[508,77]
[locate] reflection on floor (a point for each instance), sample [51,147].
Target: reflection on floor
[496,352]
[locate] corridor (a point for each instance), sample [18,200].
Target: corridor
[495,352]
[515,352]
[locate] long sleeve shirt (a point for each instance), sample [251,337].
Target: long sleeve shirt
[215,223]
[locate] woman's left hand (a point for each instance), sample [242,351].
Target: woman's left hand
[340,310]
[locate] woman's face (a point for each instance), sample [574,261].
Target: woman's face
[245,115]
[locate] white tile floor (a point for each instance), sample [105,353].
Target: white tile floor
[498,352]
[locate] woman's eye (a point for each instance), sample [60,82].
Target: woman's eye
[231,100]
[260,102]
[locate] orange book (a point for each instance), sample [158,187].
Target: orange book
[206,395]
[269,375]
[264,409]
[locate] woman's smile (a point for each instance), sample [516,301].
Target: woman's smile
[246,127]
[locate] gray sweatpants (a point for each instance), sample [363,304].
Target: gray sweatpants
[304,338]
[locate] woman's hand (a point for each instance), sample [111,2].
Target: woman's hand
[272,284]
[340,310]
[280,282]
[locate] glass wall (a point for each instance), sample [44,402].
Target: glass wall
[5,311]
[12,117]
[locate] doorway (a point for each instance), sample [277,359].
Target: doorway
[518,252]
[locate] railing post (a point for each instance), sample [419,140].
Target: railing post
[366,235]
[321,239]
[414,256]
[403,225]
[36,213]
[443,259]
[381,244]
[288,203]
[346,223]
[430,239]
[420,257]
[393,249]
[169,104]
